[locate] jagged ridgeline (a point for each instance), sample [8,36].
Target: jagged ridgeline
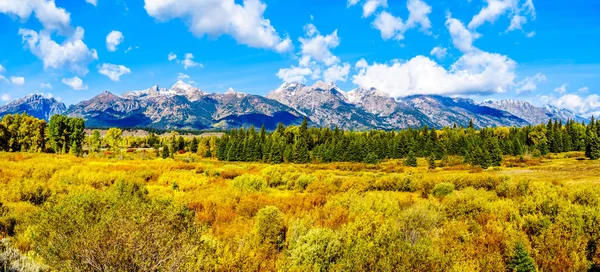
[324,104]
[303,144]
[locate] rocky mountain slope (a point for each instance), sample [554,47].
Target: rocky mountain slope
[186,107]
[35,105]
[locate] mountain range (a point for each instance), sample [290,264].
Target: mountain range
[324,104]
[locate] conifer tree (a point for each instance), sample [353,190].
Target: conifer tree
[521,261]
[165,152]
[431,161]
[411,159]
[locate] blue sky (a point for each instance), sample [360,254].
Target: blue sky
[539,51]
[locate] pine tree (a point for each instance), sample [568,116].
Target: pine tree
[431,162]
[521,261]
[371,158]
[165,152]
[194,145]
[411,159]
[592,149]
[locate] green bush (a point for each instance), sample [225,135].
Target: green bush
[248,182]
[442,189]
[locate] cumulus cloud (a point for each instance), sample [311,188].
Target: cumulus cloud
[113,40]
[476,73]
[46,11]
[530,34]
[337,73]
[562,89]
[496,8]
[462,38]
[73,53]
[75,83]
[529,84]
[172,56]
[583,90]
[93,2]
[188,61]
[5,97]
[584,106]
[318,47]
[2,69]
[439,52]
[244,22]
[114,72]
[418,15]
[516,22]
[389,26]
[294,74]
[45,86]
[19,81]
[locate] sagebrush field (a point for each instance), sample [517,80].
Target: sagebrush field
[135,212]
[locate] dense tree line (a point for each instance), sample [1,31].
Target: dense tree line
[484,147]
[24,133]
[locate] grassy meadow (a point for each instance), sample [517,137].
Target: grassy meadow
[136,212]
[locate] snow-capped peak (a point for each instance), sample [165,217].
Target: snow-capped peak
[231,91]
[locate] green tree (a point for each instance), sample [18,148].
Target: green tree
[592,148]
[431,161]
[269,227]
[521,261]
[411,159]
[165,151]
[371,158]
[113,138]
[95,141]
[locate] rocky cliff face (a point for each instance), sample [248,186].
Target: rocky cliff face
[35,105]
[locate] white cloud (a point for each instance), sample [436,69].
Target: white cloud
[73,53]
[46,11]
[337,73]
[491,12]
[530,34]
[371,6]
[310,30]
[182,76]
[294,74]
[131,48]
[75,83]
[5,97]
[114,72]
[113,40]
[2,78]
[244,22]
[389,26]
[583,90]
[419,12]
[476,73]
[45,86]
[516,22]
[2,70]
[462,38]
[361,64]
[439,52]
[188,61]
[585,106]
[20,81]
[172,56]
[529,84]
[562,89]
[318,47]
[496,8]
[93,2]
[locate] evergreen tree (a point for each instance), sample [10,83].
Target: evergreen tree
[165,152]
[592,149]
[371,158]
[411,159]
[521,261]
[431,162]
[194,145]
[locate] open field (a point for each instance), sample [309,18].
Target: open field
[136,212]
